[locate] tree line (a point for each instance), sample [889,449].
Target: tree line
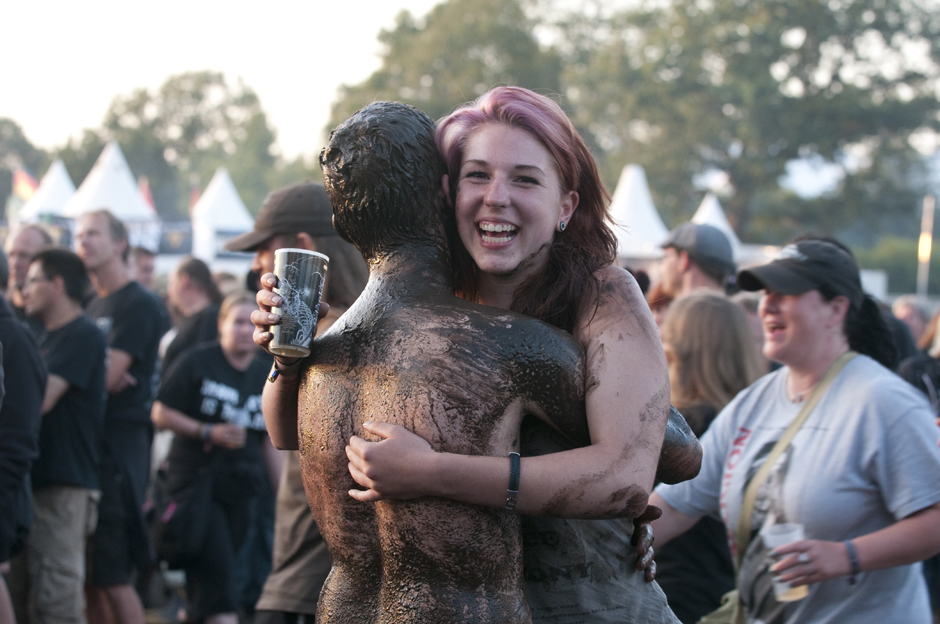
[722,92]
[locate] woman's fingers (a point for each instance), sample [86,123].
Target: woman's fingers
[383,429]
[810,561]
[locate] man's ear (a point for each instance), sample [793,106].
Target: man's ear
[58,284]
[684,261]
[305,241]
[445,185]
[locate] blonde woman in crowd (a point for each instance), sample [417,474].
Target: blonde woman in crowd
[712,355]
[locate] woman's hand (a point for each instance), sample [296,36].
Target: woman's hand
[396,467]
[810,561]
[642,540]
[264,318]
[227,436]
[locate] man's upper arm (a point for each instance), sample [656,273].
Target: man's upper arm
[56,387]
[119,362]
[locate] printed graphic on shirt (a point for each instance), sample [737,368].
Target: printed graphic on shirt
[215,394]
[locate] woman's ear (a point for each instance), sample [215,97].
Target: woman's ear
[569,203]
[840,308]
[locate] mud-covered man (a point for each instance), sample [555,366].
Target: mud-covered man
[409,352]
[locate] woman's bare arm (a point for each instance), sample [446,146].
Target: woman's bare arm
[672,523]
[912,539]
[627,401]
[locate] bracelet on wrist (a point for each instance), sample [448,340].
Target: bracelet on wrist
[853,561]
[206,432]
[512,491]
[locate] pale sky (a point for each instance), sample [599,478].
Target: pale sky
[61,63]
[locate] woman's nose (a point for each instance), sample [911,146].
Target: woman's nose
[497,193]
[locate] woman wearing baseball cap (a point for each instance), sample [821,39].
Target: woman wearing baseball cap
[832,441]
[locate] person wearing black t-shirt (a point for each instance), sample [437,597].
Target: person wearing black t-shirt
[132,319]
[211,400]
[66,487]
[192,292]
[24,379]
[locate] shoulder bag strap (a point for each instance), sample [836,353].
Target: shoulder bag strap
[743,533]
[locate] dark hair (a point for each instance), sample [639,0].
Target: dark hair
[864,325]
[382,172]
[586,245]
[199,274]
[137,251]
[116,228]
[4,271]
[57,262]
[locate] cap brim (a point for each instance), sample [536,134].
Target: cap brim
[248,241]
[777,277]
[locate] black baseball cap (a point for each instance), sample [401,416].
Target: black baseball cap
[804,266]
[705,244]
[301,207]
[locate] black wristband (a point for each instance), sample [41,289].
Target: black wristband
[853,561]
[515,466]
[284,370]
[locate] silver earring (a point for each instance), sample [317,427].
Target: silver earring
[561,226]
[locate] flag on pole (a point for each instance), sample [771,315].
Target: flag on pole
[24,185]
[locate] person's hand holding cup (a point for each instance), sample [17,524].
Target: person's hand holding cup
[290,297]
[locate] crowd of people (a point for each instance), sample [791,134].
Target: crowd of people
[95,368]
[810,401]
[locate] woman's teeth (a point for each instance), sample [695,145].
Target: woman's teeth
[497,232]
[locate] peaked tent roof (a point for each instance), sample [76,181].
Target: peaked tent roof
[55,190]
[710,213]
[220,205]
[110,185]
[638,227]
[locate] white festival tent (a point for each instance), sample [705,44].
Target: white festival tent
[639,229]
[710,213]
[217,217]
[55,190]
[111,185]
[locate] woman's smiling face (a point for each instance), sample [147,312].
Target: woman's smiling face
[509,201]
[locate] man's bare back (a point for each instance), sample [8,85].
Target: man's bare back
[408,352]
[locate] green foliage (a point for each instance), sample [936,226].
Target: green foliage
[459,51]
[16,152]
[898,256]
[731,89]
[179,135]
[741,88]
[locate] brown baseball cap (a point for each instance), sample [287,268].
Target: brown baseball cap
[301,207]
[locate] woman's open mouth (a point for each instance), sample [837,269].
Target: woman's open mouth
[496,233]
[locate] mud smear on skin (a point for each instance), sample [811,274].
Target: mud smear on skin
[410,353]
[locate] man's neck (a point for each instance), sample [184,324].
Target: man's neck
[416,270]
[61,314]
[110,277]
[695,280]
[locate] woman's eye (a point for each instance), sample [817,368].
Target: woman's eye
[475,174]
[527,180]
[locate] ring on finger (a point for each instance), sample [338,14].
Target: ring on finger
[803,558]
